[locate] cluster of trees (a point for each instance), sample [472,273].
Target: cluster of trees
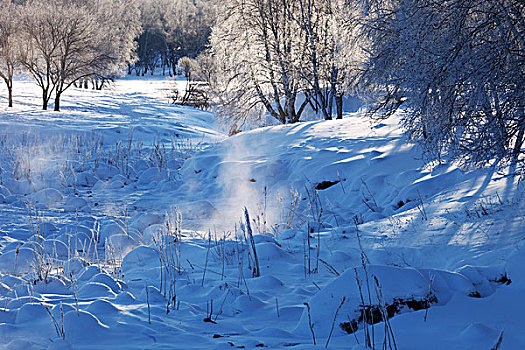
[459,65]
[278,57]
[68,42]
[172,29]
[456,66]
[60,42]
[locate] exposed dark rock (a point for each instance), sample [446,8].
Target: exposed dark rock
[401,204]
[325,184]
[349,327]
[504,279]
[372,314]
[474,294]
[421,304]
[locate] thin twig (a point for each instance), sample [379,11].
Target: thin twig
[333,322]
[310,322]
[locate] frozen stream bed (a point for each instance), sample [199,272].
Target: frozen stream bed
[123,225]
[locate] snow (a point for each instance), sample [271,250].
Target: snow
[91,241]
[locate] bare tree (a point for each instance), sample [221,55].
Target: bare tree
[257,44]
[459,66]
[69,40]
[9,50]
[322,71]
[121,19]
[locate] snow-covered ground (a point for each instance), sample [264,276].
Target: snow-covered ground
[122,225]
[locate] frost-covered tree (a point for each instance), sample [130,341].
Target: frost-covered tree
[459,66]
[256,45]
[121,19]
[322,71]
[188,27]
[69,40]
[9,40]
[281,58]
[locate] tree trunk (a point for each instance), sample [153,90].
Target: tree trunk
[10,94]
[57,101]
[102,82]
[339,105]
[289,109]
[174,67]
[519,142]
[45,99]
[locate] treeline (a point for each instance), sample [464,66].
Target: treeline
[171,29]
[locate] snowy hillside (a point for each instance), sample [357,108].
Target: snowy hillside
[122,225]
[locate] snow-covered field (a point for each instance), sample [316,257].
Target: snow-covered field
[122,225]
